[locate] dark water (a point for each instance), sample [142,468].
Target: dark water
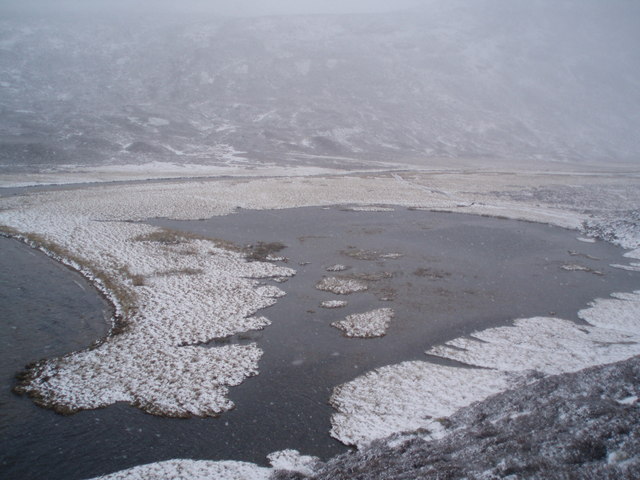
[458,273]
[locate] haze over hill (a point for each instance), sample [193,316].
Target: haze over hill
[522,81]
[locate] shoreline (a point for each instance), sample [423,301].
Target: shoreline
[431,196]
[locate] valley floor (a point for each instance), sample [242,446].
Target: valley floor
[161,282]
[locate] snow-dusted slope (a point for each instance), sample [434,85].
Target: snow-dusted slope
[578,425]
[518,80]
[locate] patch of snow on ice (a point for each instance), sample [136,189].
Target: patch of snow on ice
[366,325]
[633,254]
[336,268]
[575,267]
[392,255]
[406,397]
[632,267]
[341,286]
[273,258]
[620,313]
[548,345]
[293,461]
[192,470]
[334,304]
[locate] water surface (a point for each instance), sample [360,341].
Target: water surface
[455,274]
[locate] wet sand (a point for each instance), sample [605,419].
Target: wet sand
[457,274]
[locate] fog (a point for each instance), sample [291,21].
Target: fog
[214,7]
[395,81]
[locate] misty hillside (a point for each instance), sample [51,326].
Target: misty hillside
[514,80]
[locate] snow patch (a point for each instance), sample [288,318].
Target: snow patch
[618,456]
[336,268]
[334,304]
[270,291]
[633,254]
[172,294]
[620,313]
[192,470]
[341,286]
[391,255]
[576,267]
[293,461]
[549,345]
[407,396]
[632,267]
[366,325]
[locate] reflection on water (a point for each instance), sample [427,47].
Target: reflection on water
[457,273]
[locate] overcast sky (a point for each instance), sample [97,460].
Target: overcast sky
[218,7]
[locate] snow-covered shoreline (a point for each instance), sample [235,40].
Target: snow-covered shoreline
[417,395]
[180,292]
[171,281]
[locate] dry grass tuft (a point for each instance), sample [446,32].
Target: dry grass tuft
[261,251]
[170,236]
[181,271]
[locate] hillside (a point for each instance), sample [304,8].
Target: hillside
[477,80]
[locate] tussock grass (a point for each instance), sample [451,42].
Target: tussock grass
[261,251]
[257,252]
[170,236]
[431,273]
[166,236]
[180,271]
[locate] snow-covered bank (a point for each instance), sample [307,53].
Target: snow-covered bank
[192,470]
[575,425]
[183,294]
[178,292]
[413,395]
[72,174]
[284,460]
[185,291]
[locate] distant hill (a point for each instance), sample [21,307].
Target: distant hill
[552,80]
